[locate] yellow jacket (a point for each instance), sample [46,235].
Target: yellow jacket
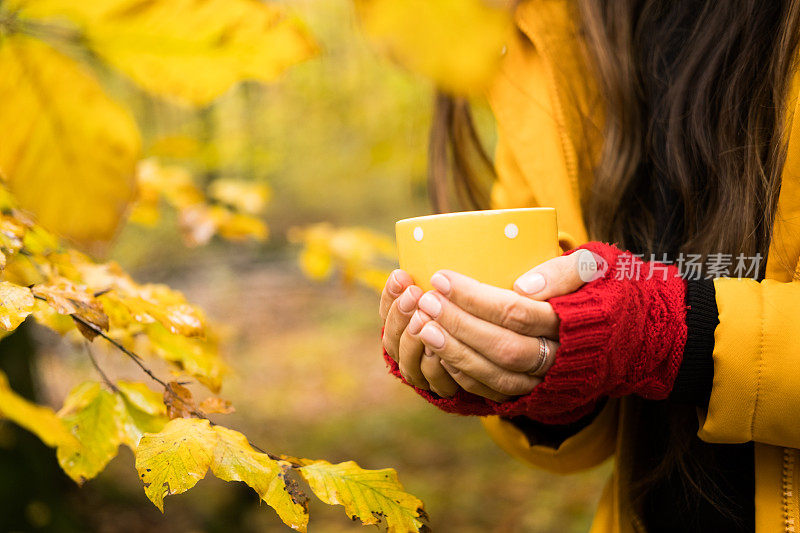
[545,106]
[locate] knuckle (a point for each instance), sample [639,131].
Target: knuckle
[511,353]
[508,385]
[454,356]
[453,320]
[515,315]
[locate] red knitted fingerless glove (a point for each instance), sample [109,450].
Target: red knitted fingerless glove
[622,333]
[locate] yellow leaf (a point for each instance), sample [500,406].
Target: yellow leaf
[68,151]
[144,409]
[201,222]
[372,496]
[47,316]
[124,299]
[158,303]
[240,227]
[11,234]
[244,196]
[316,263]
[361,254]
[39,241]
[174,460]
[190,49]
[100,421]
[456,43]
[236,460]
[173,182]
[16,303]
[39,420]
[142,397]
[197,357]
[66,298]
[93,417]
[216,405]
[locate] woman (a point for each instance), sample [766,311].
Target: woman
[666,128]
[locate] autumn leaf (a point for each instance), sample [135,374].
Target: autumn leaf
[456,43]
[101,420]
[236,460]
[174,460]
[144,409]
[47,316]
[93,417]
[199,223]
[178,400]
[61,162]
[239,227]
[39,241]
[11,234]
[158,303]
[197,357]
[372,496]
[66,298]
[193,50]
[244,196]
[39,420]
[360,254]
[120,296]
[16,303]
[142,397]
[216,405]
[173,182]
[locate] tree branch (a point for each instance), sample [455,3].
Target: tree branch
[103,375]
[138,360]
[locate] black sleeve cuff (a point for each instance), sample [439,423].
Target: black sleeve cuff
[696,374]
[553,435]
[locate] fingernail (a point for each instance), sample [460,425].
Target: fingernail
[449,368]
[431,336]
[394,285]
[441,283]
[428,352]
[530,282]
[406,301]
[430,304]
[415,324]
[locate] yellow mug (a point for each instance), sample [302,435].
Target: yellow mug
[494,246]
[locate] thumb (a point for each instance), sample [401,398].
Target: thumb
[561,275]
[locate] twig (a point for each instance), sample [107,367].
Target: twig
[138,360]
[97,367]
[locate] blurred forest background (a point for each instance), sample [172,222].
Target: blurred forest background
[338,138]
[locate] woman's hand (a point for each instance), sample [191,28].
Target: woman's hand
[487,338]
[398,303]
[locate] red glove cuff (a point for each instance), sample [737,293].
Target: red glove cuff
[622,333]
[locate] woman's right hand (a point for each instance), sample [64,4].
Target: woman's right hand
[398,302]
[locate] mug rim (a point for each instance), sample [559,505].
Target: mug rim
[481,212]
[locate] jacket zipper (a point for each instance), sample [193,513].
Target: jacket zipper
[790,508]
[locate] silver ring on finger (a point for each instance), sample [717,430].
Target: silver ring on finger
[544,353]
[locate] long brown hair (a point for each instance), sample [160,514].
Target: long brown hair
[695,96]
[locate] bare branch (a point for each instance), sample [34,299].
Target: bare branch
[103,375]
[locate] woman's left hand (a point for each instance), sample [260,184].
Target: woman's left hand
[488,338]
